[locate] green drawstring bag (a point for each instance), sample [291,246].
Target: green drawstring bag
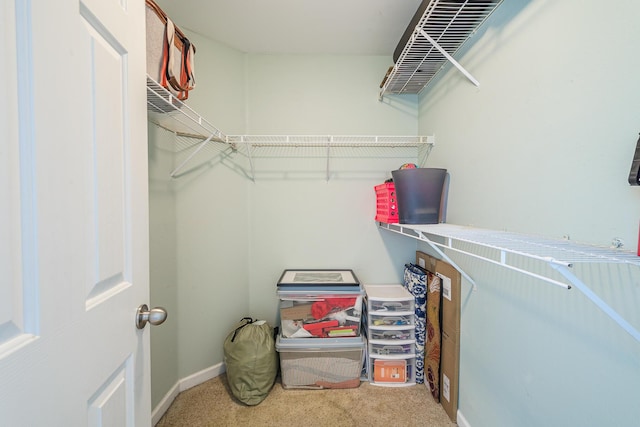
[251,360]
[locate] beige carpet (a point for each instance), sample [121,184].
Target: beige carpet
[212,404]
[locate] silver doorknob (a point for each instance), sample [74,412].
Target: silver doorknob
[155,316]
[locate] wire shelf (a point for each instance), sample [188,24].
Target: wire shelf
[330,140]
[449,24]
[558,251]
[168,112]
[171,114]
[560,255]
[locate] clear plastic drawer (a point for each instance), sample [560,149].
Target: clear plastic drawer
[390,306]
[388,348]
[392,333]
[391,320]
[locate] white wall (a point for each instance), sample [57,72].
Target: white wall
[211,215]
[234,237]
[544,146]
[162,263]
[309,95]
[549,135]
[199,227]
[298,219]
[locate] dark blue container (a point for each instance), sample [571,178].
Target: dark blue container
[420,195]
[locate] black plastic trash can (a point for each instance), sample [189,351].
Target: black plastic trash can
[420,194]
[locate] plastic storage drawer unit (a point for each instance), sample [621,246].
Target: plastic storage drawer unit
[390,323]
[318,364]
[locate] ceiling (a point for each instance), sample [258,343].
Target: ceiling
[353,27]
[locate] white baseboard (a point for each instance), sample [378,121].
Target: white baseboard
[164,404]
[202,376]
[182,385]
[461,420]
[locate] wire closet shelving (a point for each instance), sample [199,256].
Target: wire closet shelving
[443,28]
[560,255]
[171,114]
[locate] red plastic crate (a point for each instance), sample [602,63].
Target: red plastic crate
[386,203]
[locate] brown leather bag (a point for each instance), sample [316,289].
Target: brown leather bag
[170,54]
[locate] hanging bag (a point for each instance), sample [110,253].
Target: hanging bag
[170,54]
[251,360]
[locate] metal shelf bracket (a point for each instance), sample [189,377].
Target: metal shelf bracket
[449,57]
[174,173]
[444,256]
[582,287]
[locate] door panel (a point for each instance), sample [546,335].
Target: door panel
[11,288]
[73,214]
[17,292]
[108,67]
[111,404]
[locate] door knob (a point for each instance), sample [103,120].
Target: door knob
[155,316]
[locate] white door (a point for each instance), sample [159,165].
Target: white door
[73,214]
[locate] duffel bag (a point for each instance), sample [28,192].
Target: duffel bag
[251,360]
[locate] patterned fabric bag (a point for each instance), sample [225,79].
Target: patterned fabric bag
[432,346]
[415,280]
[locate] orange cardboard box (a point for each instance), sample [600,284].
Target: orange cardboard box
[390,371]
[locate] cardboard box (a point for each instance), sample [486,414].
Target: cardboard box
[450,342]
[296,312]
[449,370]
[390,371]
[426,261]
[451,295]
[451,290]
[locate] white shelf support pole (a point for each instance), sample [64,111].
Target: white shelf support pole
[582,287]
[446,258]
[449,57]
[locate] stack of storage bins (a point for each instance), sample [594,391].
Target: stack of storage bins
[390,329]
[320,343]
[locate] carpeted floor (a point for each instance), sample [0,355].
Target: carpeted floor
[212,404]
